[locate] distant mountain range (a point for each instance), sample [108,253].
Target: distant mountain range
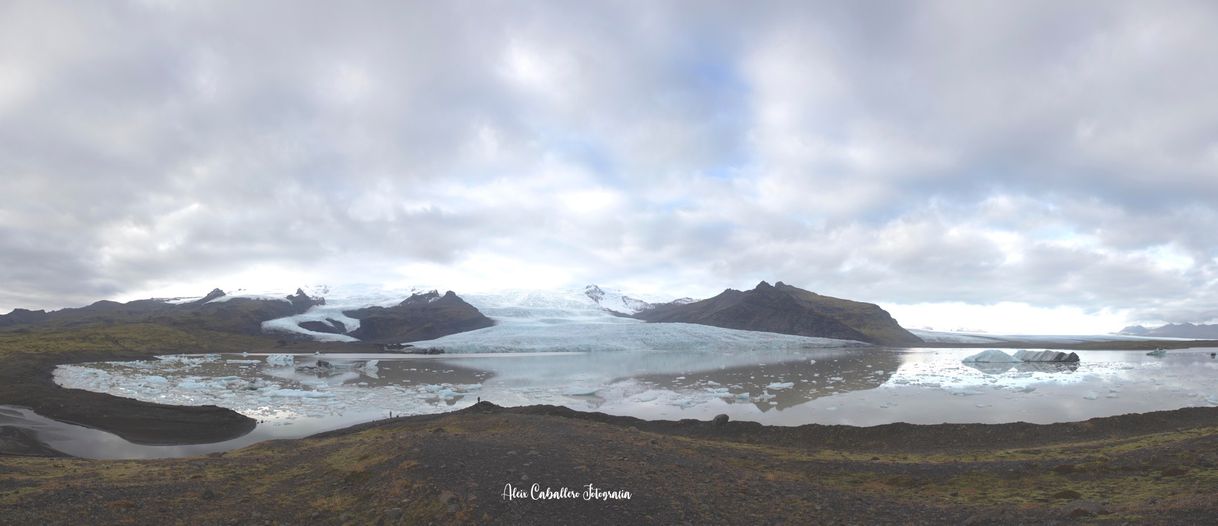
[216,311]
[1175,330]
[778,308]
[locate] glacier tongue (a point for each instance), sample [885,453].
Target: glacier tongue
[547,321]
[536,321]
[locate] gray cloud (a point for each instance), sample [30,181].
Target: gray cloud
[979,152]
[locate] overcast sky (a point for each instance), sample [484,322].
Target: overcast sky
[1011,166]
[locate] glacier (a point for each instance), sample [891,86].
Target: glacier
[571,320]
[550,321]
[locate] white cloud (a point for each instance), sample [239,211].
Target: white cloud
[1058,157]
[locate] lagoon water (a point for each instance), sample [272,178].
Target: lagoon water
[293,397]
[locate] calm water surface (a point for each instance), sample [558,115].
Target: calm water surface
[296,397]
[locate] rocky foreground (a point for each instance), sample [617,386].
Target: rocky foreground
[454,469]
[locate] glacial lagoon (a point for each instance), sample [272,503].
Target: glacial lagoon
[298,395]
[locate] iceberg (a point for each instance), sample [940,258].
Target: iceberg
[1045,356]
[280,360]
[991,356]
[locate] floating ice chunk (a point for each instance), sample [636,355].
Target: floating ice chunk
[155,380]
[242,361]
[780,385]
[990,356]
[280,360]
[1045,356]
[577,390]
[967,392]
[371,368]
[298,393]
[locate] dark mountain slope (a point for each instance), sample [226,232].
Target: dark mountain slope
[419,317]
[785,309]
[233,315]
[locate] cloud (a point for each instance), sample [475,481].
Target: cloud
[1046,155]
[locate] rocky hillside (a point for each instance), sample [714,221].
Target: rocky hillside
[216,312]
[786,309]
[420,317]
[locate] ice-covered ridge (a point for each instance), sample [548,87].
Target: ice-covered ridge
[337,301]
[615,300]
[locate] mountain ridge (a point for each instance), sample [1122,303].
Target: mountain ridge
[786,309]
[1200,331]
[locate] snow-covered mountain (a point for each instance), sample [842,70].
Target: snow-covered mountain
[615,301]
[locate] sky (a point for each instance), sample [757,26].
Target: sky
[1020,167]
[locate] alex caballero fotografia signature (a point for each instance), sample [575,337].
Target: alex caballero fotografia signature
[586,492]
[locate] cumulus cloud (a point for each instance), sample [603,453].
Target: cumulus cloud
[941,153]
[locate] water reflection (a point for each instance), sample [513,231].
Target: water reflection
[1027,367]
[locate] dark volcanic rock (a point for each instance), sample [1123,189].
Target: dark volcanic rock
[330,326]
[215,293]
[419,317]
[303,301]
[785,309]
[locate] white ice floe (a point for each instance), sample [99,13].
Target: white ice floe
[780,385]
